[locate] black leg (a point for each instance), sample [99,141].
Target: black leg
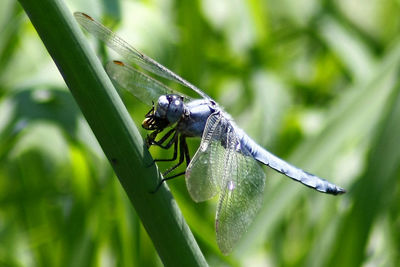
[184,154]
[181,156]
[186,151]
[174,141]
[166,179]
[150,138]
[163,139]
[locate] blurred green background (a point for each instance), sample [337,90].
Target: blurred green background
[315,82]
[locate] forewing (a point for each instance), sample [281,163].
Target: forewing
[142,86]
[241,194]
[128,52]
[205,170]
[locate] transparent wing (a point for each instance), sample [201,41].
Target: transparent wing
[135,81]
[221,165]
[204,173]
[241,194]
[130,53]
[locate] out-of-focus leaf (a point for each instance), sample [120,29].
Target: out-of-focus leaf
[373,191]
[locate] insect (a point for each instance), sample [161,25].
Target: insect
[227,161]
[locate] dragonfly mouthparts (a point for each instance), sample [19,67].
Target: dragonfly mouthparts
[149,123]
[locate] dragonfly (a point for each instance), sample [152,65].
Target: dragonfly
[228,162]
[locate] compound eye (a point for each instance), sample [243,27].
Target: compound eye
[162,106]
[175,110]
[163,101]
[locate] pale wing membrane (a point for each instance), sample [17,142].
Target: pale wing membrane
[241,193]
[135,81]
[205,169]
[130,53]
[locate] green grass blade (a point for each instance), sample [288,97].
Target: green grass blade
[115,131]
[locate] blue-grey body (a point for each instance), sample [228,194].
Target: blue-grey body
[227,161]
[193,124]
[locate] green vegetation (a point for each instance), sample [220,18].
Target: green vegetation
[315,82]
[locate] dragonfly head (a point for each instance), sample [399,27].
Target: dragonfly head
[169,110]
[170,107]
